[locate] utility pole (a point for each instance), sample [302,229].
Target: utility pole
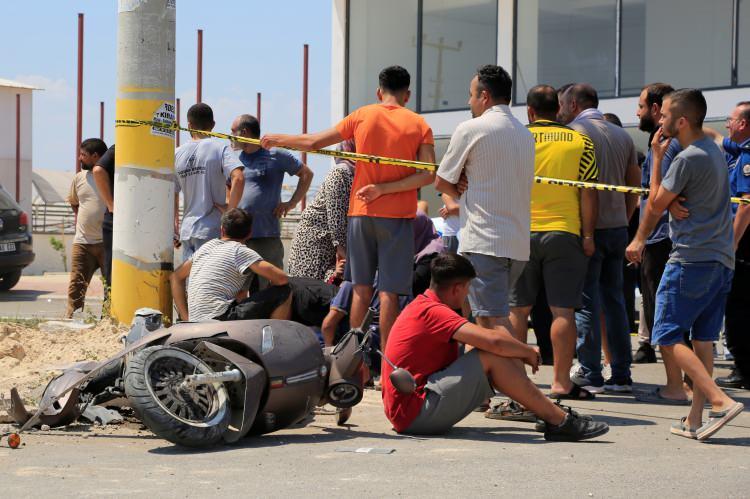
[257,105]
[305,57]
[79,93]
[441,47]
[18,148]
[144,163]
[101,120]
[199,75]
[177,120]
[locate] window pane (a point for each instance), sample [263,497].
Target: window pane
[686,43]
[458,36]
[743,52]
[381,34]
[565,41]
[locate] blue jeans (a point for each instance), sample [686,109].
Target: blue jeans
[603,293]
[692,297]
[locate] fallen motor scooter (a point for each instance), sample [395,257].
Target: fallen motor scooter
[196,384]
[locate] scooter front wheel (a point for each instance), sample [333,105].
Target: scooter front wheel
[192,416]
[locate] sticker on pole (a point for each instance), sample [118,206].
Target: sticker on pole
[165,114]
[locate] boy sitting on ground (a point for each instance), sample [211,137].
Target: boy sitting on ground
[425,341]
[219,273]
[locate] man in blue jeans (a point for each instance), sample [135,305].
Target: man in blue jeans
[693,291]
[602,293]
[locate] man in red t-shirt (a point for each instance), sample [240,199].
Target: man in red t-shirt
[384,197]
[424,341]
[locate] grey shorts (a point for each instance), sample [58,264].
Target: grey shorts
[488,293]
[556,262]
[381,244]
[271,249]
[452,394]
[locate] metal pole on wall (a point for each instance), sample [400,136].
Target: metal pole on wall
[79,92]
[101,120]
[18,148]
[257,114]
[177,115]
[304,106]
[199,76]
[144,164]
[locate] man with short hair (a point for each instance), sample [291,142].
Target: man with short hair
[218,273]
[104,177]
[618,164]
[203,166]
[737,149]
[425,341]
[656,252]
[562,223]
[693,291]
[88,249]
[264,175]
[495,152]
[383,204]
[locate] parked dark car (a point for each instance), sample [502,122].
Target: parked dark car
[15,241]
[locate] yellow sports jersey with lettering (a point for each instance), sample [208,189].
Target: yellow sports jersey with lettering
[564,153]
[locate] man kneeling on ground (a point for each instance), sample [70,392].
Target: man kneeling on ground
[219,274]
[425,341]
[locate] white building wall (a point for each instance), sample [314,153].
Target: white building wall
[8,142]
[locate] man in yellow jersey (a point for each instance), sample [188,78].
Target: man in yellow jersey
[562,230]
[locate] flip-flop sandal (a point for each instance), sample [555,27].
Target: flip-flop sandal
[682,429]
[575,393]
[510,411]
[655,397]
[717,420]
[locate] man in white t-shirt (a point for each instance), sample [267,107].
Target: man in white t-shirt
[451,223]
[219,274]
[204,166]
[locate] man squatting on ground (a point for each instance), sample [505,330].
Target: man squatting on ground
[219,273]
[693,291]
[425,341]
[88,248]
[383,204]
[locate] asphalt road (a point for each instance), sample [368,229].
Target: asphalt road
[481,457]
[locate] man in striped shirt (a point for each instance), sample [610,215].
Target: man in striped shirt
[496,153]
[219,275]
[562,234]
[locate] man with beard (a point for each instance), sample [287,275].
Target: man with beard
[693,291]
[88,248]
[658,247]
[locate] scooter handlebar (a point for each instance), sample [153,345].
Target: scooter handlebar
[367,321]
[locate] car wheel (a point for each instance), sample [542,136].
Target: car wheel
[9,280]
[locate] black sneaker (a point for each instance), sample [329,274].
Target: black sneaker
[574,428]
[618,385]
[734,380]
[541,425]
[645,355]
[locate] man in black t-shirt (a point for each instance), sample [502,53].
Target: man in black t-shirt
[104,176]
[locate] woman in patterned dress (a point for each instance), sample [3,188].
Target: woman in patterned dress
[320,240]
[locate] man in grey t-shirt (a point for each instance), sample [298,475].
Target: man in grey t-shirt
[618,164]
[203,167]
[693,291]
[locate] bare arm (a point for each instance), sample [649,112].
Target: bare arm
[442,185]
[330,324]
[305,142]
[275,275]
[633,179]
[498,341]
[236,186]
[305,175]
[179,293]
[714,135]
[452,208]
[741,221]
[589,214]
[101,179]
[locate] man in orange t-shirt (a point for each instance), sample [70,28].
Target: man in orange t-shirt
[383,204]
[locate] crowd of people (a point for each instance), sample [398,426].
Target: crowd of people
[454,310]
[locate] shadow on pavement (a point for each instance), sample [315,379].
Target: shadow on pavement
[22,295]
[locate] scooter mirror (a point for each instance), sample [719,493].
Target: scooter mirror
[403,381]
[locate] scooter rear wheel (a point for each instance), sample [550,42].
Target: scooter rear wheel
[188,416]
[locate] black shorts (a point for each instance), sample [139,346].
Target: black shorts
[259,305]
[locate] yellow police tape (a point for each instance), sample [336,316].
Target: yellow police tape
[419,165]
